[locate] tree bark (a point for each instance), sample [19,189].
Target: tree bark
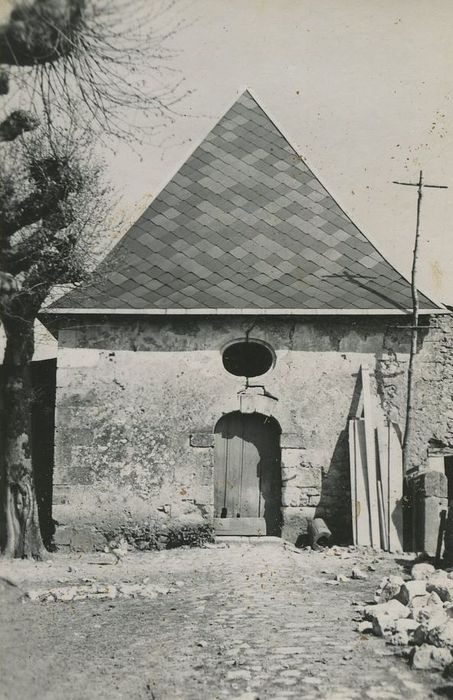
[21,536]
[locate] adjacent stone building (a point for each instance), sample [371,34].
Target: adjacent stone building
[211,366]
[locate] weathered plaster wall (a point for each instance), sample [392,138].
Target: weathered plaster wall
[136,397]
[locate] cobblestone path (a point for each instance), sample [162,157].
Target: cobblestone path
[243,623]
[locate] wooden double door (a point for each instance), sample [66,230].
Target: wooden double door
[247,475]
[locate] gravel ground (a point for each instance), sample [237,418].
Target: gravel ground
[239,622]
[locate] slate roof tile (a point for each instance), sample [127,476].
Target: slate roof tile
[244,224]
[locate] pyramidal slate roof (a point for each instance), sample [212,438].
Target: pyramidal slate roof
[244,226]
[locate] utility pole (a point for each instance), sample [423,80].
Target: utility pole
[415,314]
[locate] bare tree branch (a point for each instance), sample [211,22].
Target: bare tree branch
[74,53]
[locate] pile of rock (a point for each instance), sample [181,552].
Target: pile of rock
[416,614]
[99,591]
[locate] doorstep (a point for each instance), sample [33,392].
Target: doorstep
[236,540]
[240,527]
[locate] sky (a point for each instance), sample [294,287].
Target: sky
[362,89]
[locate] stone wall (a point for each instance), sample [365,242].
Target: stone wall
[138,401]
[433,414]
[429,505]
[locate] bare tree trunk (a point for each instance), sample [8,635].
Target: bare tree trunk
[21,536]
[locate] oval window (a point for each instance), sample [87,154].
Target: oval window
[247,359]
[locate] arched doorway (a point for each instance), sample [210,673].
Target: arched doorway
[247,474]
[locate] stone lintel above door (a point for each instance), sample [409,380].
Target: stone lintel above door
[255,399]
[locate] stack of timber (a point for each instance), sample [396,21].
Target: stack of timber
[376,466]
